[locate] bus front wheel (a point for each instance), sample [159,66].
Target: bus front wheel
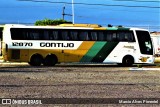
[36,60]
[50,60]
[128,61]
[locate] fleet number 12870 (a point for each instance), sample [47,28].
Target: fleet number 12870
[22,44]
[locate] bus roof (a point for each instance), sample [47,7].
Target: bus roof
[80,25]
[73,26]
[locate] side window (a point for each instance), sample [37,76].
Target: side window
[54,35]
[130,37]
[114,37]
[34,35]
[46,35]
[65,35]
[101,36]
[121,36]
[17,34]
[26,35]
[125,36]
[74,35]
[93,36]
[109,36]
[83,36]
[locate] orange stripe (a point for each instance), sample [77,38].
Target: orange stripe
[83,49]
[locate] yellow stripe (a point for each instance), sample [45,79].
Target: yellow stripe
[83,49]
[99,29]
[76,55]
[86,45]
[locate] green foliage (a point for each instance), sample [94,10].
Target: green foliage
[50,22]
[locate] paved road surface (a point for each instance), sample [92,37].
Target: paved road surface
[77,81]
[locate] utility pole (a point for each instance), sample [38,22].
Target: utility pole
[63,11]
[72,11]
[64,14]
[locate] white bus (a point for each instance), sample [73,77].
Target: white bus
[49,45]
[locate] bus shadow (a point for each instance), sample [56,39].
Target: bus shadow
[102,65]
[41,69]
[87,65]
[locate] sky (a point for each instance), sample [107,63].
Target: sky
[130,13]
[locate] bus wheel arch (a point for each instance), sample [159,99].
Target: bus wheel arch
[36,60]
[128,60]
[50,60]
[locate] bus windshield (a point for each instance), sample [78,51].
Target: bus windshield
[145,42]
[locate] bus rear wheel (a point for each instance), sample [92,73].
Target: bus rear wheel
[128,61]
[36,60]
[50,60]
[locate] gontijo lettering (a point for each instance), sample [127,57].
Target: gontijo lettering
[47,44]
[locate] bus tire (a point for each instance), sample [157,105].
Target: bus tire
[36,60]
[50,60]
[128,60]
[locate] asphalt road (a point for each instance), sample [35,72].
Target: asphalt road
[78,81]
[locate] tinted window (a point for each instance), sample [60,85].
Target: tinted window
[100,36]
[125,36]
[64,35]
[83,36]
[53,35]
[93,36]
[73,35]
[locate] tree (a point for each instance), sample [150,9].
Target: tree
[50,22]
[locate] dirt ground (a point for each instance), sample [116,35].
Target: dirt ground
[78,81]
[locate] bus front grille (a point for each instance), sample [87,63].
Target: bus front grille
[15,54]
